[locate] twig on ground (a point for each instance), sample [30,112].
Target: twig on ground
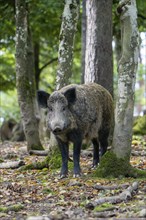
[39,152]
[101,187]
[11,164]
[124,196]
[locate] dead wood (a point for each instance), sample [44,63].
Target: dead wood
[104,214]
[39,152]
[101,187]
[124,196]
[138,153]
[11,164]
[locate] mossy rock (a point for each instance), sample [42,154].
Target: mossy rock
[111,166]
[139,125]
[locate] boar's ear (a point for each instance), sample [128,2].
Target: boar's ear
[42,98]
[70,95]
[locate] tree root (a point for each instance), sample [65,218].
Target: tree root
[111,166]
[124,196]
[37,165]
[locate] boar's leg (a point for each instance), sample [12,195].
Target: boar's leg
[64,149]
[76,138]
[76,157]
[103,139]
[95,143]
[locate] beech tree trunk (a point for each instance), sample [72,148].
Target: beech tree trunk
[84,27]
[25,77]
[127,74]
[98,60]
[65,52]
[66,45]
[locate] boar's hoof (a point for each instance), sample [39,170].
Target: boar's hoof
[62,176]
[76,175]
[94,166]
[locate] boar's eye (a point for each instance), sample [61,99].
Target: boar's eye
[50,109]
[64,108]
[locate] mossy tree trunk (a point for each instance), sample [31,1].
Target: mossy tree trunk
[127,68]
[25,77]
[66,46]
[98,59]
[117,162]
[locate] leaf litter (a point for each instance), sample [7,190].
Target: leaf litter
[43,194]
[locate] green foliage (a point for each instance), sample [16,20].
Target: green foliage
[9,106]
[45,22]
[7,69]
[139,127]
[141,7]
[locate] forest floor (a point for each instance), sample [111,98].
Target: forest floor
[41,193]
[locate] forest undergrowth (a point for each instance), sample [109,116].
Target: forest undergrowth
[43,194]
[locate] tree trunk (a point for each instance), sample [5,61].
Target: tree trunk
[84,27]
[99,67]
[127,74]
[66,45]
[25,77]
[36,63]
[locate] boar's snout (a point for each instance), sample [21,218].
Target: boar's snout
[57,130]
[57,127]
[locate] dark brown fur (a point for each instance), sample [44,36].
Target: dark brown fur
[78,112]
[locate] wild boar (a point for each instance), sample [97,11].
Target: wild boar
[78,112]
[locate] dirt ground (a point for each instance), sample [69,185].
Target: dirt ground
[42,193]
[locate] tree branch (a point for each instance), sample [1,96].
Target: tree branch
[11,164]
[124,196]
[141,16]
[48,63]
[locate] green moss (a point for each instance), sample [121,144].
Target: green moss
[47,191]
[102,207]
[1,160]
[52,161]
[111,166]
[14,208]
[55,160]
[35,147]
[139,126]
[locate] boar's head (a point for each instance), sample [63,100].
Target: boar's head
[59,115]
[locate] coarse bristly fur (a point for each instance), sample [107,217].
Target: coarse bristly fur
[78,112]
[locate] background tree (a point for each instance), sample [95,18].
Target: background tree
[25,77]
[83,39]
[117,162]
[45,19]
[127,69]
[98,60]
[66,44]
